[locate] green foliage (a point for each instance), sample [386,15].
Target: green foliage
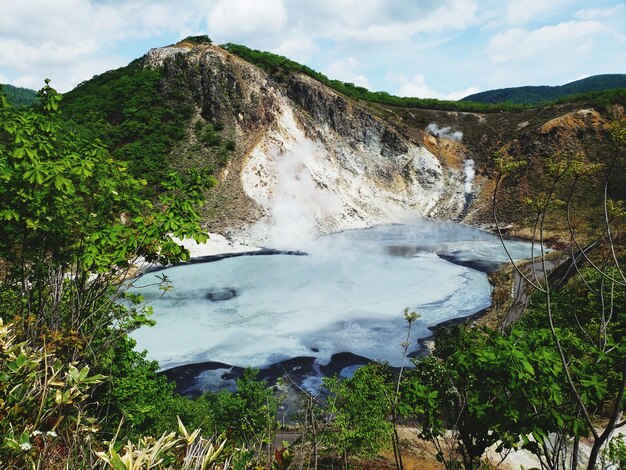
[210,137]
[74,221]
[590,314]
[576,305]
[43,402]
[616,452]
[202,39]
[489,389]
[544,94]
[361,406]
[134,115]
[145,400]
[68,205]
[249,413]
[18,96]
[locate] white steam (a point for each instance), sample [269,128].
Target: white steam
[470,172]
[297,202]
[445,132]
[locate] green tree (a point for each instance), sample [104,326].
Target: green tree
[74,223]
[361,406]
[249,413]
[584,319]
[488,389]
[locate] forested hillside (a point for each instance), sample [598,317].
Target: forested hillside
[134,114]
[18,96]
[530,95]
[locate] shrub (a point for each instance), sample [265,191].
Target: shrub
[44,404]
[211,138]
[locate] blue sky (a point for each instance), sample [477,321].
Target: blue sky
[426,48]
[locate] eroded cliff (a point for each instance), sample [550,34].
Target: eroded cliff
[295,158]
[308,160]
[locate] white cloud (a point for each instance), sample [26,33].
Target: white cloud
[417,87]
[377,21]
[346,71]
[66,78]
[72,21]
[23,56]
[520,44]
[351,40]
[63,39]
[522,11]
[66,64]
[457,95]
[73,39]
[600,13]
[297,46]
[28,81]
[232,17]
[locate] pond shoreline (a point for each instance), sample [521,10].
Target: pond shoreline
[189,378]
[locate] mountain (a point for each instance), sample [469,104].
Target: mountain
[19,96]
[294,156]
[269,144]
[530,95]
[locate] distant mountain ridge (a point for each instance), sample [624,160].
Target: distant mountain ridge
[539,94]
[18,96]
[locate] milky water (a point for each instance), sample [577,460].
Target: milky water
[347,295]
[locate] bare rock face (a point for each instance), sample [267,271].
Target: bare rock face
[309,161]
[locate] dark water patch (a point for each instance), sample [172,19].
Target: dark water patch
[458,258]
[409,251]
[220,295]
[481,265]
[186,376]
[341,360]
[212,258]
[189,378]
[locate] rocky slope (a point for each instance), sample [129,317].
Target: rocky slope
[534,136]
[309,161]
[295,158]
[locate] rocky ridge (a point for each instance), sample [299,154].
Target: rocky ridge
[309,160]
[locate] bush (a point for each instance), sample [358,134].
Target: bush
[44,405]
[361,406]
[211,138]
[144,399]
[201,39]
[249,413]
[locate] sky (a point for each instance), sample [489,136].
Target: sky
[443,49]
